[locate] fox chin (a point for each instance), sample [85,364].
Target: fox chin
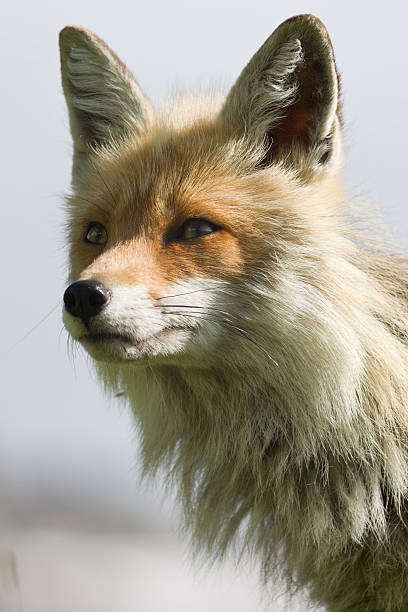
[219,283]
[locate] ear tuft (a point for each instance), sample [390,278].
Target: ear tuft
[288,95]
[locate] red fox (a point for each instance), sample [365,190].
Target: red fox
[220,284]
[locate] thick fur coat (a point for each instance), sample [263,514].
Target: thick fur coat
[262,346]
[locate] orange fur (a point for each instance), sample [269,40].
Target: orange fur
[266,358]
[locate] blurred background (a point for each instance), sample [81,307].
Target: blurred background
[78,532]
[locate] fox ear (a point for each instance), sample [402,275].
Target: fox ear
[103,98]
[288,97]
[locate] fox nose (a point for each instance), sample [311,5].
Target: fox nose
[84,299]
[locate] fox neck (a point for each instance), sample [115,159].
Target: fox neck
[246,446]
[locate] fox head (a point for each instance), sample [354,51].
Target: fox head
[182,220]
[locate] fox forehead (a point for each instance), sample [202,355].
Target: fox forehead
[143,190]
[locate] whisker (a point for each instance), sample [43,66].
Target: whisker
[164,297]
[229,291]
[231,316]
[95,204]
[234,328]
[61,332]
[45,317]
[69,347]
[72,347]
[106,185]
[224,312]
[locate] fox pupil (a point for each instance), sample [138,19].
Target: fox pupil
[193,228]
[96,234]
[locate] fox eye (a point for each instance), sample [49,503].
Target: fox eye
[96,234]
[195,228]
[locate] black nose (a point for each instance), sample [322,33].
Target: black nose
[84,299]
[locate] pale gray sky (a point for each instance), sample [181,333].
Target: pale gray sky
[61,442]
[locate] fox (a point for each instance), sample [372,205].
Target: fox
[221,285]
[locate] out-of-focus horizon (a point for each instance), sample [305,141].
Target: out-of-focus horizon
[77,530]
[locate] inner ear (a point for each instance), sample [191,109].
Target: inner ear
[287,98]
[301,116]
[299,124]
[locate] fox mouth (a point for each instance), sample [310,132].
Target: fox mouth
[121,347]
[106,338]
[102,338]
